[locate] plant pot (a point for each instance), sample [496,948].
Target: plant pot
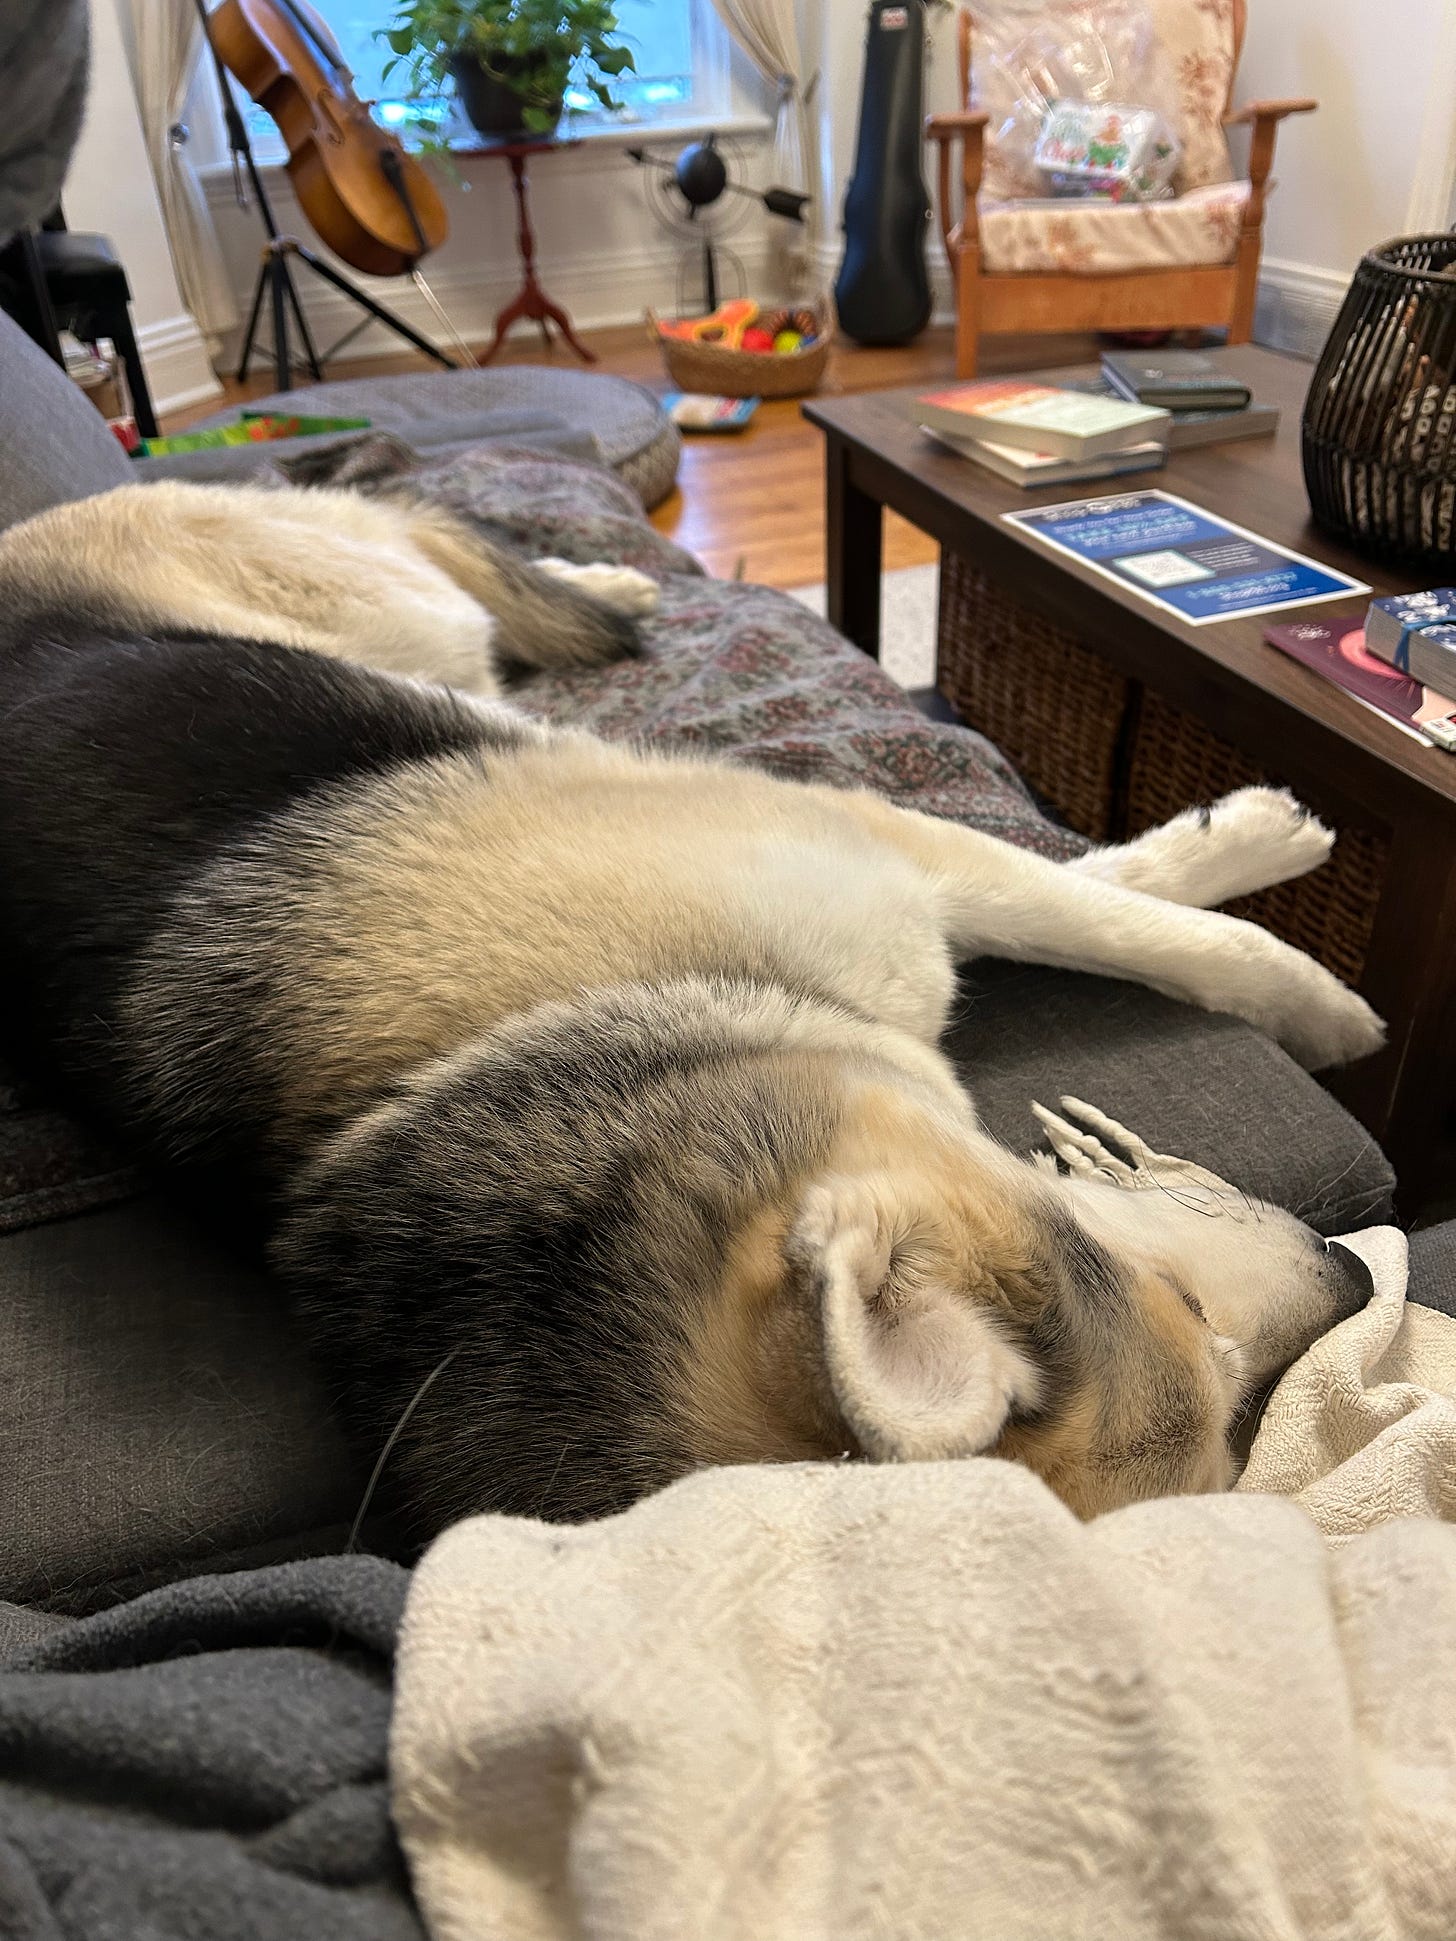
[492,105]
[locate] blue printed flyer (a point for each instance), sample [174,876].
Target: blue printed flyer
[1183,559]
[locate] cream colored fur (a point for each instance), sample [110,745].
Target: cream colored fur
[447,900]
[394,584]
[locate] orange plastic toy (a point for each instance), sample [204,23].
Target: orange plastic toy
[725,326]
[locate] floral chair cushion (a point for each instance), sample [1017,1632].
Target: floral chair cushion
[1183,50]
[1088,238]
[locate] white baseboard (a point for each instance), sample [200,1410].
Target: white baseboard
[1296,306]
[179,370]
[597,295]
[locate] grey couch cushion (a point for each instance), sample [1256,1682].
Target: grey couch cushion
[54,444]
[1190,1082]
[155,1411]
[1433,1267]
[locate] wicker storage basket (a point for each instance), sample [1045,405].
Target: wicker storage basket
[1053,709]
[726,373]
[1112,758]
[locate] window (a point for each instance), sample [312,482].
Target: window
[680,49]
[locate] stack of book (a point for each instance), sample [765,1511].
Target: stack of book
[1416,633]
[1037,434]
[1086,423]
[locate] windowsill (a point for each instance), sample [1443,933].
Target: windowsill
[616,135]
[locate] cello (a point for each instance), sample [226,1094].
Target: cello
[366,198]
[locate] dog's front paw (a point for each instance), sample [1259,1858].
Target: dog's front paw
[1336,1030]
[1316,1018]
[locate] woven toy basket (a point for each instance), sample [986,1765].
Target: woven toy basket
[725,373]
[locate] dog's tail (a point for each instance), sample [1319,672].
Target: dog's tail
[542,619]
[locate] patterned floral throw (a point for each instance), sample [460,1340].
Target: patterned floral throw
[740,670]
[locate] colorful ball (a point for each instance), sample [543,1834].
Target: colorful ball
[756,339]
[787,342]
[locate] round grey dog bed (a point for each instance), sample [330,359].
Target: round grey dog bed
[631,431]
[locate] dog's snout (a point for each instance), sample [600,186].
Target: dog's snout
[1349,1278]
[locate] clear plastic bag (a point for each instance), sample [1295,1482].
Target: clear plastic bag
[1049,71]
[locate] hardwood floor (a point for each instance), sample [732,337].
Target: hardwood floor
[749,503]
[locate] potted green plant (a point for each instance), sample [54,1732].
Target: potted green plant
[510,60]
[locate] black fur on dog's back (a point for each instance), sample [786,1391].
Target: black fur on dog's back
[128,763]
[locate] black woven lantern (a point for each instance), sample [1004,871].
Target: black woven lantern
[1380,419]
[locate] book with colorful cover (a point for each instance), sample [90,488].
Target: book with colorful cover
[1333,644]
[704,411]
[1040,418]
[1045,468]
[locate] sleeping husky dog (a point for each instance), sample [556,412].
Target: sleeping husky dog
[590,1096]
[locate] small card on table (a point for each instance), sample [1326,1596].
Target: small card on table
[1178,557]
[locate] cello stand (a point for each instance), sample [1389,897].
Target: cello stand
[275,280]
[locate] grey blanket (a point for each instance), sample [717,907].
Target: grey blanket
[208,1763]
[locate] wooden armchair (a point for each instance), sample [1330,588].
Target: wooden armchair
[1193,261]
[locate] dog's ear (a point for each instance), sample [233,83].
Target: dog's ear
[919,1369]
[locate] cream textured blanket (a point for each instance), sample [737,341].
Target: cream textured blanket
[813,1703]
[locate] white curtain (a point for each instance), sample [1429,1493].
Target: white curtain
[168,41]
[768,33]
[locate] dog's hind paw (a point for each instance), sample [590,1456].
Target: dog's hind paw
[1246,842]
[1268,835]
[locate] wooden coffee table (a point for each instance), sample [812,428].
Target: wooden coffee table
[1342,759]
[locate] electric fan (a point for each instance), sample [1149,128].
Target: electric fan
[696,197]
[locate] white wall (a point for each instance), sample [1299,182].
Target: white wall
[1358,171]
[110,189]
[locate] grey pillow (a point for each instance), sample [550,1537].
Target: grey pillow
[1433,1267]
[54,444]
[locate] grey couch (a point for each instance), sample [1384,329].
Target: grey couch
[156,1415]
